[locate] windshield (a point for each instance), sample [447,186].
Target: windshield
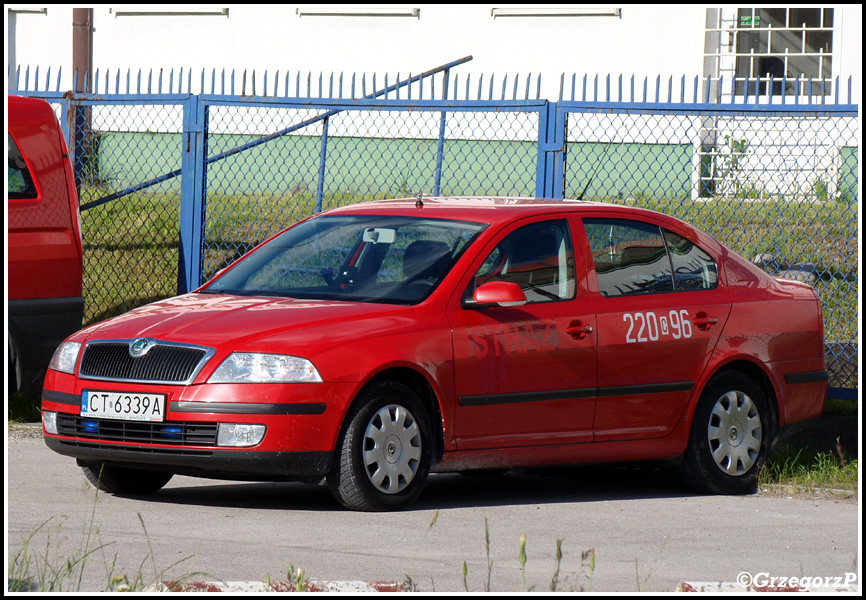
[361,258]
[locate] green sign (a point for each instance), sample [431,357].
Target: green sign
[750,21]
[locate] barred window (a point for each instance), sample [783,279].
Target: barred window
[783,43]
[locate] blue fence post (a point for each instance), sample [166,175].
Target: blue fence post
[440,146]
[551,151]
[541,176]
[192,191]
[560,127]
[323,158]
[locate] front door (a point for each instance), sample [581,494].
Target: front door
[526,375]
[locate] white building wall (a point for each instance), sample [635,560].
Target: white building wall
[644,41]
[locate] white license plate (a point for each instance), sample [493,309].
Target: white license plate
[126,406]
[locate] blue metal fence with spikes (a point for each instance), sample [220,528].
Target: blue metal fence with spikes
[180,172]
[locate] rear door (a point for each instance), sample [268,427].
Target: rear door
[660,311]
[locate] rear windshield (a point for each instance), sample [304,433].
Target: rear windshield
[19,181]
[362,258]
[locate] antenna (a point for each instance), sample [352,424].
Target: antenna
[601,160]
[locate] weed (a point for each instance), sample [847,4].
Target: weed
[838,406]
[487,552]
[24,407]
[40,571]
[590,556]
[521,558]
[558,558]
[810,468]
[587,559]
[642,587]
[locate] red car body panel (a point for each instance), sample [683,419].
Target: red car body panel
[44,229]
[44,251]
[565,381]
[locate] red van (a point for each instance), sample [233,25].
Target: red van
[44,258]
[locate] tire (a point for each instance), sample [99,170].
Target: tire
[14,371]
[730,436]
[383,457]
[123,480]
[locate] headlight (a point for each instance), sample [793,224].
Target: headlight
[245,367]
[65,356]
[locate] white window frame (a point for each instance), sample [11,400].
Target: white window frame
[725,55]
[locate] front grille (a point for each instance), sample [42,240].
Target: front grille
[176,432]
[163,363]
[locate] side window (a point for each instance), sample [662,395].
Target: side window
[694,269]
[537,257]
[632,257]
[20,183]
[629,257]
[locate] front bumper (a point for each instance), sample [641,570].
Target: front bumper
[238,465]
[301,422]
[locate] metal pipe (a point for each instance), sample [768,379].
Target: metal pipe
[384,91]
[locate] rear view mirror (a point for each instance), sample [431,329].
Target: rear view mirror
[497,293]
[379,235]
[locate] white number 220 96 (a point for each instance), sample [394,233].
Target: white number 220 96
[648,327]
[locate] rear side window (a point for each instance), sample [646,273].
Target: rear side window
[694,269]
[632,257]
[19,182]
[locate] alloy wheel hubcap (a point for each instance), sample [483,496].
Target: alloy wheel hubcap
[734,433]
[392,449]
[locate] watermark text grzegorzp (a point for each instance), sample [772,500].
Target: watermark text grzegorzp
[764,580]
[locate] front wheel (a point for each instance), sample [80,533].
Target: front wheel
[384,455]
[123,480]
[730,436]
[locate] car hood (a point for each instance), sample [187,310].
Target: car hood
[214,319]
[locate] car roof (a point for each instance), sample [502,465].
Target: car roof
[486,209]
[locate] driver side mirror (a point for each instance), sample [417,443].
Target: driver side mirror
[497,293]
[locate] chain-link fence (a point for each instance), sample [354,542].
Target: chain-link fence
[130,242]
[175,186]
[779,188]
[352,156]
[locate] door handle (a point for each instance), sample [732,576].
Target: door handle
[578,331]
[703,321]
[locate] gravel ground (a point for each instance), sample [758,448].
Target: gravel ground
[17,431]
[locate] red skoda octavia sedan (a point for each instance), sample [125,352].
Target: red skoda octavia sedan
[372,344]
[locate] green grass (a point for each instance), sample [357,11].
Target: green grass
[23,407]
[131,244]
[810,469]
[845,408]
[39,568]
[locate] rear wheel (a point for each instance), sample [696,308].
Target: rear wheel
[730,436]
[383,457]
[123,480]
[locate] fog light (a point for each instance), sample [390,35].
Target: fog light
[49,421]
[239,434]
[172,432]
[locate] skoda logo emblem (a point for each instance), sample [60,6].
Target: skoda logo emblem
[139,347]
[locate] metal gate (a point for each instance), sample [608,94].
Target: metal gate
[175,184]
